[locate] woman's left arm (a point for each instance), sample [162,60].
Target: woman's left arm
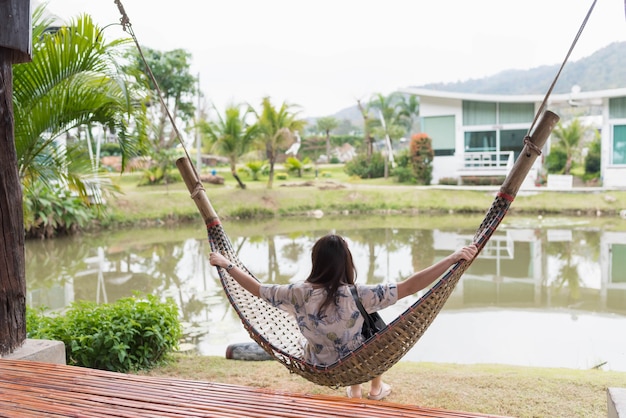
[241,276]
[423,278]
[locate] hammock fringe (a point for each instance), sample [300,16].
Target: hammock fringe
[278,334]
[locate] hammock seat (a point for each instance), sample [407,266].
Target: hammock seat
[277,332]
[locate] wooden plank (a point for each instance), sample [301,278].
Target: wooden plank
[30,389]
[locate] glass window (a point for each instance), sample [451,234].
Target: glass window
[618,263]
[479,113]
[512,140]
[441,130]
[617,108]
[480,141]
[517,112]
[619,144]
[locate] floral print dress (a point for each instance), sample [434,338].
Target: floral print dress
[337,332]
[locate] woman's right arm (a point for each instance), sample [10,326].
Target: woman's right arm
[241,276]
[423,278]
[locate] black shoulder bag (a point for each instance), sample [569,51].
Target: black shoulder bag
[372,323]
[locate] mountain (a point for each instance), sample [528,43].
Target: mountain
[604,69]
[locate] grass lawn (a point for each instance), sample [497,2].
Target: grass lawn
[490,389]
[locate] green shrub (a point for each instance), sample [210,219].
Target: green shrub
[556,160]
[54,210]
[130,334]
[422,156]
[251,212]
[404,175]
[448,181]
[366,167]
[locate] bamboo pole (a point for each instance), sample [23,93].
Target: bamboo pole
[530,152]
[195,187]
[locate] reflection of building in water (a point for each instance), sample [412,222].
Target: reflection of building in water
[613,265]
[509,271]
[520,268]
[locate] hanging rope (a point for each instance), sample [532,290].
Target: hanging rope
[128,28]
[556,78]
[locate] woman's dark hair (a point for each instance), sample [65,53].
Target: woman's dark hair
[332,266]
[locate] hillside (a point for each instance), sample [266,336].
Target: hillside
[604,69]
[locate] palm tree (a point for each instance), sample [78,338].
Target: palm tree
[409,111]
[569,140]
[327,124]
[72,81]
[276,129]
[231,136]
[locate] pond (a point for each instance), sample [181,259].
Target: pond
[545,294]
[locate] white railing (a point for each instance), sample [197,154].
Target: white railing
[492,159]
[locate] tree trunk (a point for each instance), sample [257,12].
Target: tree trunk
[12,271]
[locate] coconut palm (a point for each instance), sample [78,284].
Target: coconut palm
[326,125]
[72,81]
[409,111]
[277,127]
[231,136]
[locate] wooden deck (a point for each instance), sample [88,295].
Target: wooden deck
[30,389]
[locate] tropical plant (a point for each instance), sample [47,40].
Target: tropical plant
[255,168]
[72,81]
[366,167]
[568,139]
[175,85]
[294,165]
[388,116]
[131,334]
[593,159]
[422,156]
[277,127]
[409,111]
[326,125]
[231,135]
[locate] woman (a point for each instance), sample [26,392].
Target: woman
[324,307]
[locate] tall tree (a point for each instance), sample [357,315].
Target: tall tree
[568,139]
[174,83]
[327,124]
[409,111]
[232,136]
[277,127]
[388,114]
[14,48]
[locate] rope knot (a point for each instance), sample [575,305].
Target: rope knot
[531,145]
[199,188]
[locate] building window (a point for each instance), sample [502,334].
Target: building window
[480,141]
[512,140]
[618,263]
[442,133]
[619,144]
[516,113]
[479,113]
[617,108]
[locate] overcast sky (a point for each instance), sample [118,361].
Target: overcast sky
[323,55]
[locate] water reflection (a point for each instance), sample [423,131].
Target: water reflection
[535,296]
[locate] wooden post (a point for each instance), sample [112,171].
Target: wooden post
[15,47]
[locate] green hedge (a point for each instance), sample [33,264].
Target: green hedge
[130,334]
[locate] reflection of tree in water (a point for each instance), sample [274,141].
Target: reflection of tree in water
[583,245]
[422,249]
[293,250]
[53,262]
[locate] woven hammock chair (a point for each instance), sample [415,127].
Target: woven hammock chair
[277,332]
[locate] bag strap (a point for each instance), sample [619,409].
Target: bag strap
[359,305]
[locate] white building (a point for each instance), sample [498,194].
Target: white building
[482,134]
